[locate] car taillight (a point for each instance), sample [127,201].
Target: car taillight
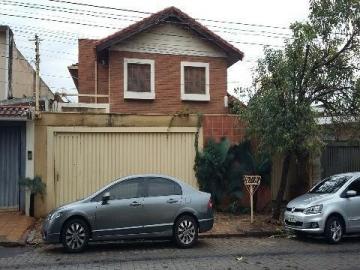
[210,204]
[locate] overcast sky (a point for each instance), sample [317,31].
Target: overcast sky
[59,39]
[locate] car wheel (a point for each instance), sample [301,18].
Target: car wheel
[186,231]
[334,230]
[75,235]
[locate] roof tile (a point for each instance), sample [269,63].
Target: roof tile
[18,111]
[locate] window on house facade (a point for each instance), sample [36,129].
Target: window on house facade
[195,81]
[139,79]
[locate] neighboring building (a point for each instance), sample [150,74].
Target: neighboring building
[17,76]
[17,87]
[165,63]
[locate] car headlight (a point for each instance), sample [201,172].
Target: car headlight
[54,215]
[316,209]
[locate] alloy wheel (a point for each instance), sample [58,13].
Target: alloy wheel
[75,236]
[336,231]
[186,232]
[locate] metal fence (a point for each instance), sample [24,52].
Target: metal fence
[340,158]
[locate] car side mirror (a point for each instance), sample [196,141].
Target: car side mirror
[351,193]
[105,198]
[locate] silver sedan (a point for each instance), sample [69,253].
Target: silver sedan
[140,206]
[330,208]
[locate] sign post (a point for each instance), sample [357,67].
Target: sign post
[252,182]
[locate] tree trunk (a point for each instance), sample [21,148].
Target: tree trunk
[302,183]
[282,187]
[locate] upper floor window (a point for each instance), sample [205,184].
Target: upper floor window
[195,81]
[139,78]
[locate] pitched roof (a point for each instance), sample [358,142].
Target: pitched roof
[173,15]
[15,112]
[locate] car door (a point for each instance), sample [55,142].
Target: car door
[123,213]
[163,199]
[352,207]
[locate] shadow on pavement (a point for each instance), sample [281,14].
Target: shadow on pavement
[125,246]
[349,239]
[6,252]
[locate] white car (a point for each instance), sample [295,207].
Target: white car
[331,208]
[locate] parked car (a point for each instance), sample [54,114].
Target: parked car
[331,208]
[140,206]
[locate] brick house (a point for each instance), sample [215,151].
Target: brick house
[165,63]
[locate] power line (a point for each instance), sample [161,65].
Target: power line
[109,27]
[41,75]
[63,9]
[149,13]
[255,32]
[53,20]
[53,8]
[97,6]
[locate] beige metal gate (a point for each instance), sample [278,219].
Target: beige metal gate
[85,159]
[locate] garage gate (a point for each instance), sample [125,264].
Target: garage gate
[12,164]
[86,159]
[340,158]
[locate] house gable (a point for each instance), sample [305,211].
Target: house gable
[168,16]
[169,39]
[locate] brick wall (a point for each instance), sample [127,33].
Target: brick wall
[229,126]
[87,69]
[167,82]
[219,126]
[167,85]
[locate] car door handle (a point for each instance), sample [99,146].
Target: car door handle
[135,204]
[172,201]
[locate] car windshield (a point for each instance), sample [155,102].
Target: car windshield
[330,184]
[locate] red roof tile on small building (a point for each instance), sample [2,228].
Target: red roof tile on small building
[19,111]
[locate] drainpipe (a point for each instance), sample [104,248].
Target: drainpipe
[96,80]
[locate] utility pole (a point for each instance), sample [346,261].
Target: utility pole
[37,76]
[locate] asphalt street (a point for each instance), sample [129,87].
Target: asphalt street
[220,253]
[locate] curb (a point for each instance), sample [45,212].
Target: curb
[243,234]
[258,234]
[12,244]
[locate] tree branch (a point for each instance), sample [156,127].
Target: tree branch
[302,94]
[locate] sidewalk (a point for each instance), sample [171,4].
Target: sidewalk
[227,225]
[14,227]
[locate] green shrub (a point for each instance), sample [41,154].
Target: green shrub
[220,168]
[35,185]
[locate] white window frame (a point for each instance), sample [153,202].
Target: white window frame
[195,97]
[139,95]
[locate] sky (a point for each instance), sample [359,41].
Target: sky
[251,24]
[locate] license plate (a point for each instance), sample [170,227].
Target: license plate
[291,219]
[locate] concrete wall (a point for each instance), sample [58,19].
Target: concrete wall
[22,74]
[24,78]
[3,64]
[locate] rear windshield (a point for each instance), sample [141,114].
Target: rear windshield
[330,184]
